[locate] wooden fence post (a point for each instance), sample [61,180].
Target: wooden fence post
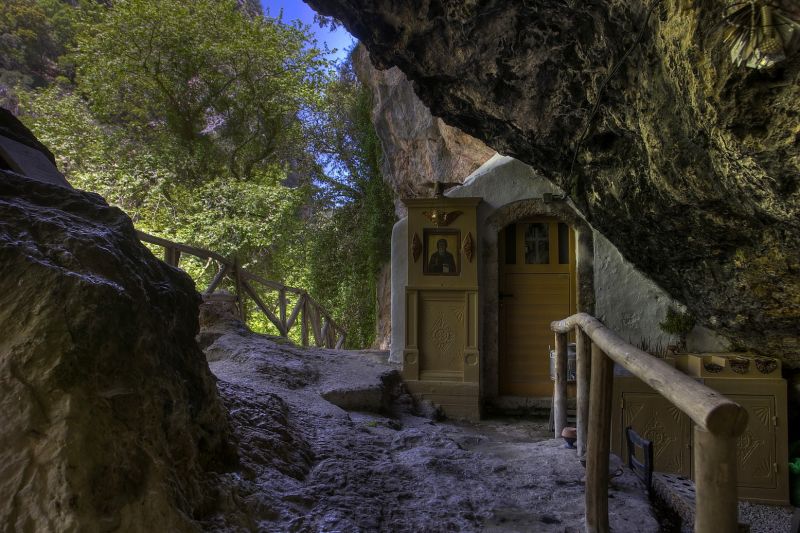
[172,256]
[560,394]
[237,281]
[342,339]
[282,309]
[599,442]
[583,355]
[716,505]
[304,321]
[325,337]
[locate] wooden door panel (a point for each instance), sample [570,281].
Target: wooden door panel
[538,300]
[654,418]
[534,295]
[756,446]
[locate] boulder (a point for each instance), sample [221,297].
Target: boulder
[110,418]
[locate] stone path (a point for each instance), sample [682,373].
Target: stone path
[309,465]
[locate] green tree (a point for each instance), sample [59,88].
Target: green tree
[353,226]
[194,116]
[34,36]
[215,89]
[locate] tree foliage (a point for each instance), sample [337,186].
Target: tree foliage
[218,127]
[353,238]
[217,90]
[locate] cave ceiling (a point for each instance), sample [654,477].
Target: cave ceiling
[687,161]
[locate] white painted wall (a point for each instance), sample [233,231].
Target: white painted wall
[626,300]
[399,282]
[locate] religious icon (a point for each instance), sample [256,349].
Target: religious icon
[442,252]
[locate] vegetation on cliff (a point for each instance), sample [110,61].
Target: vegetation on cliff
[211,125]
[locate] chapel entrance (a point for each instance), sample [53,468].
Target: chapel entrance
[537,285]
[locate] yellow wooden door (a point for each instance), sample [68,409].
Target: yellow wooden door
[537,286]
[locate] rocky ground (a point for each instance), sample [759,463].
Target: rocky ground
[308,464]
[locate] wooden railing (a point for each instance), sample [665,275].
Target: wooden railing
[310,315]
[718,420]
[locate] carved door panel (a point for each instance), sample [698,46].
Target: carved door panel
[756,446]
[442,335]
[657,420]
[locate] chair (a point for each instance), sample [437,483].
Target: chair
[643,470]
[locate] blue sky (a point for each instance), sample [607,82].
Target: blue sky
[298,10]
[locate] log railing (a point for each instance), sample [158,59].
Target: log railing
[312,318]
[718,420]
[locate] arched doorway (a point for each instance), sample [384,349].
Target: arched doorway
[583,251]
[537,284]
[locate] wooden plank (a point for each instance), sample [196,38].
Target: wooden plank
[313,319]
[237,283]
[217,279]
[172,256]
[583,346]
[271,284]
[560,393]
[599,442]
[304,323]
[282,311]
[270,315]
[316,324]
[185,248]
[705,406]
[295,312]
[340,342]
[325,337]
[452,388]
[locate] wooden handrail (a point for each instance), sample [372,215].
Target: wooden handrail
[706,407]
[719,421]
[309,310]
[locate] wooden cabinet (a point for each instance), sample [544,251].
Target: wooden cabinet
[655,419]
[762,449]
[441,360]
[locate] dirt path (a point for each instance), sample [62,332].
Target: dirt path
[309,465]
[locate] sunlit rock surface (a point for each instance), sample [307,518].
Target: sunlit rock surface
[690,166]
[418,148]
[109,417]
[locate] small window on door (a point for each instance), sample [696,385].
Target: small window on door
[511,244]
[537,243]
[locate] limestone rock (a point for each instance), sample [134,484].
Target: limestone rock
[109,417]
[690,165]
[383,319]
[417,147]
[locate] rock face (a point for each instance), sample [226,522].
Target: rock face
[689,165]
[110,417]
[417,147]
